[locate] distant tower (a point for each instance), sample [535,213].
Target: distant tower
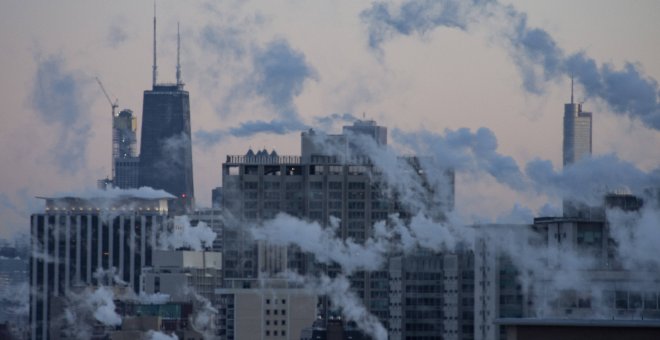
[577,145]
[166,148]
[577,131]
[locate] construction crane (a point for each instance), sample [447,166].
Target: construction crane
[113,105]
[115,148]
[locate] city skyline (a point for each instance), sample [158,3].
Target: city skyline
[231,64]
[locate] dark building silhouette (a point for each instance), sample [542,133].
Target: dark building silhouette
[166,148]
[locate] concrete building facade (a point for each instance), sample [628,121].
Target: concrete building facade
[178,273]
[264,309]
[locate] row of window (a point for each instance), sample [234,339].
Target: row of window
[254,185]
[275,311]
[276,333]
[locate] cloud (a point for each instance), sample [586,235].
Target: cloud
[277,75]
[535,53]
[117,34]
[59,97]
[589,179]
[384,21]
[465,151]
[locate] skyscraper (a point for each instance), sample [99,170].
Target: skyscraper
[166,148]
[577,145]
[577,131]
[124,151]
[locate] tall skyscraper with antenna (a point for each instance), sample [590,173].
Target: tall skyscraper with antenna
[577,145]
[166,148]
[577,131]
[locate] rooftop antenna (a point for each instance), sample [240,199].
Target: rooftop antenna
[571,88]
[178,53]
[155,68]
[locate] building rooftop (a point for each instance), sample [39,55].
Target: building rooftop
[578,322]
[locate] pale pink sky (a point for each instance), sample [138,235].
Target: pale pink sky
[444,79]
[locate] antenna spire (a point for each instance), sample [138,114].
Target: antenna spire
[178,53]
[571,88]
[155,68]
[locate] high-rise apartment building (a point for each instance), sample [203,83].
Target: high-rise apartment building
[77,238]
[166,148]
[322,185]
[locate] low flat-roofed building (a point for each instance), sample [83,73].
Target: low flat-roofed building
[579,329]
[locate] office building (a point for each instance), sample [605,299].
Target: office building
[76,238]
[166,148]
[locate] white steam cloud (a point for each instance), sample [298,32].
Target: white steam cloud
[181,234]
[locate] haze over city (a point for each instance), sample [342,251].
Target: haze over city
[364,169]
[420,74]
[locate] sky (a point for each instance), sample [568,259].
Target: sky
[260,72]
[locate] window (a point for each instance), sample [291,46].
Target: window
[250,185]
[334,185]
[267,333]
[335,169]
[268,301]
[353,205]
[316,185]
[273,195]
[356,186]
[268,312]
[283,311]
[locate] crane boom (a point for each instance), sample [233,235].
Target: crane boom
[113,105]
